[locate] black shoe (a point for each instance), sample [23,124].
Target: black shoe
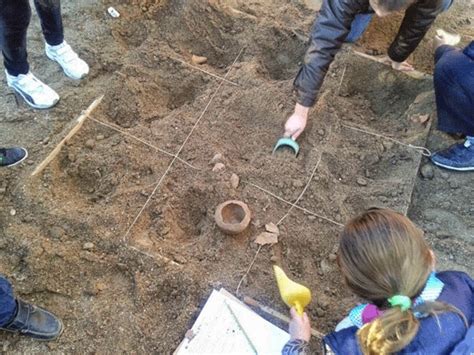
[12,156]
[34,322]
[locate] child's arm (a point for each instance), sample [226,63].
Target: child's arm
[300,333]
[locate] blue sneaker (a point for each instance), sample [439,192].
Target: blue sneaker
[458,157]
[12,156]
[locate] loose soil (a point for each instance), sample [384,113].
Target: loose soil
[142,282]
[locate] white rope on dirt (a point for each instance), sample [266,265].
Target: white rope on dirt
[293,204]
[204,71]
[280,222]
[423,150]
[180,149]
[142,141]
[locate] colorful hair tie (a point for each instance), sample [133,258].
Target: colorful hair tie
[404,302]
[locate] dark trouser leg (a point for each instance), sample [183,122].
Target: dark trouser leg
[8,306]
[454,89]
[15,17]
[49,12]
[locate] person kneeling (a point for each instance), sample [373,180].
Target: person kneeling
[454,89]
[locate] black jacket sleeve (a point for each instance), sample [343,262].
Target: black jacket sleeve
[417,21]
[328,34]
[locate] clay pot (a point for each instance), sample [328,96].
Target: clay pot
[232,217]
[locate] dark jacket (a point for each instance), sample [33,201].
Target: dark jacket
[333,25]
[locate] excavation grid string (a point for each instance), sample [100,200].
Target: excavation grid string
[293,205]
[142,141]
[423,150]
[125,237]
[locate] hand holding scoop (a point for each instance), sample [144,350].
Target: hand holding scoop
[292,293]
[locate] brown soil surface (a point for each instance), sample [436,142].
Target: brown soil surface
[148,272]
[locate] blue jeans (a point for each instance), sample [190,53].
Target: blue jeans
[15,17]
[362,21]
[454,89]
[8,305]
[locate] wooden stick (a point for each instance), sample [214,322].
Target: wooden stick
[415,74]
[80,120]
[251,302]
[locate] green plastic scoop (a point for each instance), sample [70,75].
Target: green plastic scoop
[289,143]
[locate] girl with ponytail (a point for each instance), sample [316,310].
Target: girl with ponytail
[409,308]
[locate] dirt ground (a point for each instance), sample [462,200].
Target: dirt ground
[77,240]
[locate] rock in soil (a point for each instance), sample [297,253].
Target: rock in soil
[234,181]
[216,159]
[88,246]
[196,59]
[361,181]
[427,171]
[90,143]
[218,167]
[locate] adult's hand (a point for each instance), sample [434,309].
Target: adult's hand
[296,124]
[300,327]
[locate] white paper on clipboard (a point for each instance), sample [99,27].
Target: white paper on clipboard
[216,331]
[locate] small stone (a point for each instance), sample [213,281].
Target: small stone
[388,145]
[325,266]
[332,257]
[179,259]
[100,137]
[100,286]
[196,59]
[427,171]
[88,246]
[30,162]
[361,181]
[3,190]
[454,184]
[444,175]
[298,183]
[56,232]
[218,167]
[12,212]
[234,181]
[216,159]
[320,312]
[321,132]
[71,157]
[90,143]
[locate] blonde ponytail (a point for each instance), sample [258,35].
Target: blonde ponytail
[385,260]
[389,333]
[395,329]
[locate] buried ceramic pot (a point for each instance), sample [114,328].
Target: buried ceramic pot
[232,217]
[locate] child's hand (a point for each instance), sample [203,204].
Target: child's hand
[300,327]
[442,38]
[402,66]
[296,124]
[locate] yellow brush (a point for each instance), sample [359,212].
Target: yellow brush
[292,293]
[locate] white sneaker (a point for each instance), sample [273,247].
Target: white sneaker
[73,66]
[36,93]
